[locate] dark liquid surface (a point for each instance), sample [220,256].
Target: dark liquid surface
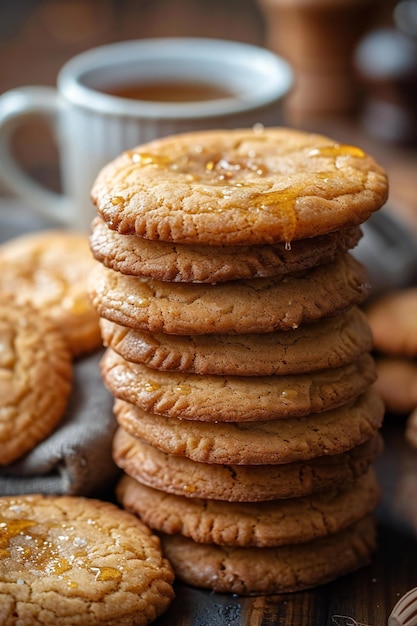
[170,92]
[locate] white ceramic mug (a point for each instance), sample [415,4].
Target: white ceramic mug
[93,127]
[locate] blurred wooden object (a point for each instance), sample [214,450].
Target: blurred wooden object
[318,37]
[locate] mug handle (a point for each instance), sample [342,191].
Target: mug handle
[15,106]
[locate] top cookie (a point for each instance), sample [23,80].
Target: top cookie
[244,186]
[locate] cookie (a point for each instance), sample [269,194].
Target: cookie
[166,261]
[68,560]
[261,305]
[393,320]
[35,378]
[328,343]
[262,524]
[241,483]
[251,442]
[49,270]
[411,429]
[257,571]
[235,398]
[397,383]
[76,458]
[244,187]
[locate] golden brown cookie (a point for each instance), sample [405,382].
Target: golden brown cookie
[245,186]
[257,571]
[166,261]
[260,305]
[250,443]
[273,441]
[241,483]
[393,320]
[261,524]
[235,398]
[49,269]
[397,383]
[68,560]
[328,343]
[35,378]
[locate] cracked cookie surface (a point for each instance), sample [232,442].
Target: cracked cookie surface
[239,187]
[165,261]
[78,562]
[241,483]
[261,524]
[35,378]
[257,571]
[260,305]
[273,441]
[235,398]
[324,344]
[49,270]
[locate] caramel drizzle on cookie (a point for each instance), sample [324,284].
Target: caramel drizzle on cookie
[280,203]
[42,550]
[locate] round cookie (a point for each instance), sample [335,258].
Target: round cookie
[49,270]
[35,378]
[328,343]
[273,441]
[260,305]
[397,383]
[68,560]
[244,186]
[260,524]
[235,398]
[393,320]
[241,483]
[257,571]
[166,261]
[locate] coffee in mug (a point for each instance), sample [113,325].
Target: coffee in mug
[171,92]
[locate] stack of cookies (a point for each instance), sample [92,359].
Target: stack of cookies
[318,38]
[238,355]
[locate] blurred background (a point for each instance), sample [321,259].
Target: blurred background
[334,93]
[38,36]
